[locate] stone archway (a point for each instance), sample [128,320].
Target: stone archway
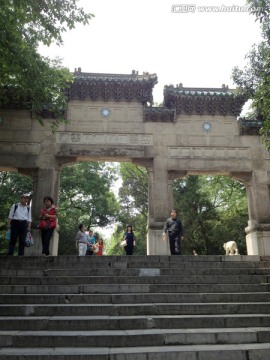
[112,118]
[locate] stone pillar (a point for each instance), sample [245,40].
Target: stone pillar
[160,199]
[36,249]
[258,230]
[46,182]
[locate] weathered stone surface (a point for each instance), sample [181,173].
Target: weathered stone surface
[195,132]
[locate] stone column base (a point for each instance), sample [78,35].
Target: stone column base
[258,238]
[36,249]
[155,244]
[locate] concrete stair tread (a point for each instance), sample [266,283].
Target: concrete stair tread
[130,338]
[142,279]
[119,298]
[188,352]
[131,305]
[97,333]
[147,309]
[140,308]
[121,265]
[132,317]
[131,288]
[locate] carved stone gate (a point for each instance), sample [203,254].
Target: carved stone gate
[196,131]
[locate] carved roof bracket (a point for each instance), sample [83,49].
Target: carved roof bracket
[114,87]
[203,101]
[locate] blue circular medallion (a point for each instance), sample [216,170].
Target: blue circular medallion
[105,112]
[207,126]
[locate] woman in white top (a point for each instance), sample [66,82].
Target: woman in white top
[81,241]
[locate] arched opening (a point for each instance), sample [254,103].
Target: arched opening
[105,197]
[86,196]
[213,210]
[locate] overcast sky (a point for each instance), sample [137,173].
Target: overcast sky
[198,48]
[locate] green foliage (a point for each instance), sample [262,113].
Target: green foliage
[12,185]
[138,223]
[133,196]
[254,80]
[134,190]
[85,197]
[26,77]
[213,211]
[261,10]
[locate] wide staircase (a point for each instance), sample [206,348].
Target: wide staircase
[135,308]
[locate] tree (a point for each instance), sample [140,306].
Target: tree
[134,190]
[213,211]
[133,196]
[27,78]
[12,185]
[85,197]
[196,213]
[254,80]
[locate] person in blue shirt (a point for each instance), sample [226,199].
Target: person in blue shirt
[92,240]
[130,238]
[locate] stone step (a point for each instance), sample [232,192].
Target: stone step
[135,262]
[134,309]
[142,279]
[133,298]
[131,338]
[103,322]
[202,271]
[188,352]
[132,288]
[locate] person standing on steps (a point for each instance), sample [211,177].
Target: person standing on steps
[130,238]
[92,240]
[81,241]
[48,216]
[19,222]
[174,228]
[100,246]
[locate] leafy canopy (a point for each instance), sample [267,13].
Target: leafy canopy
[254,80]
[26,77]
[213,211]
[133,208]
[85,196]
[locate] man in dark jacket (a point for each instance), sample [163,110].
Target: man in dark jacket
[173,227]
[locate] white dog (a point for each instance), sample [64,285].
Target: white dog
[230,248]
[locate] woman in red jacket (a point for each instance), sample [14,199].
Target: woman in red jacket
[48,216]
